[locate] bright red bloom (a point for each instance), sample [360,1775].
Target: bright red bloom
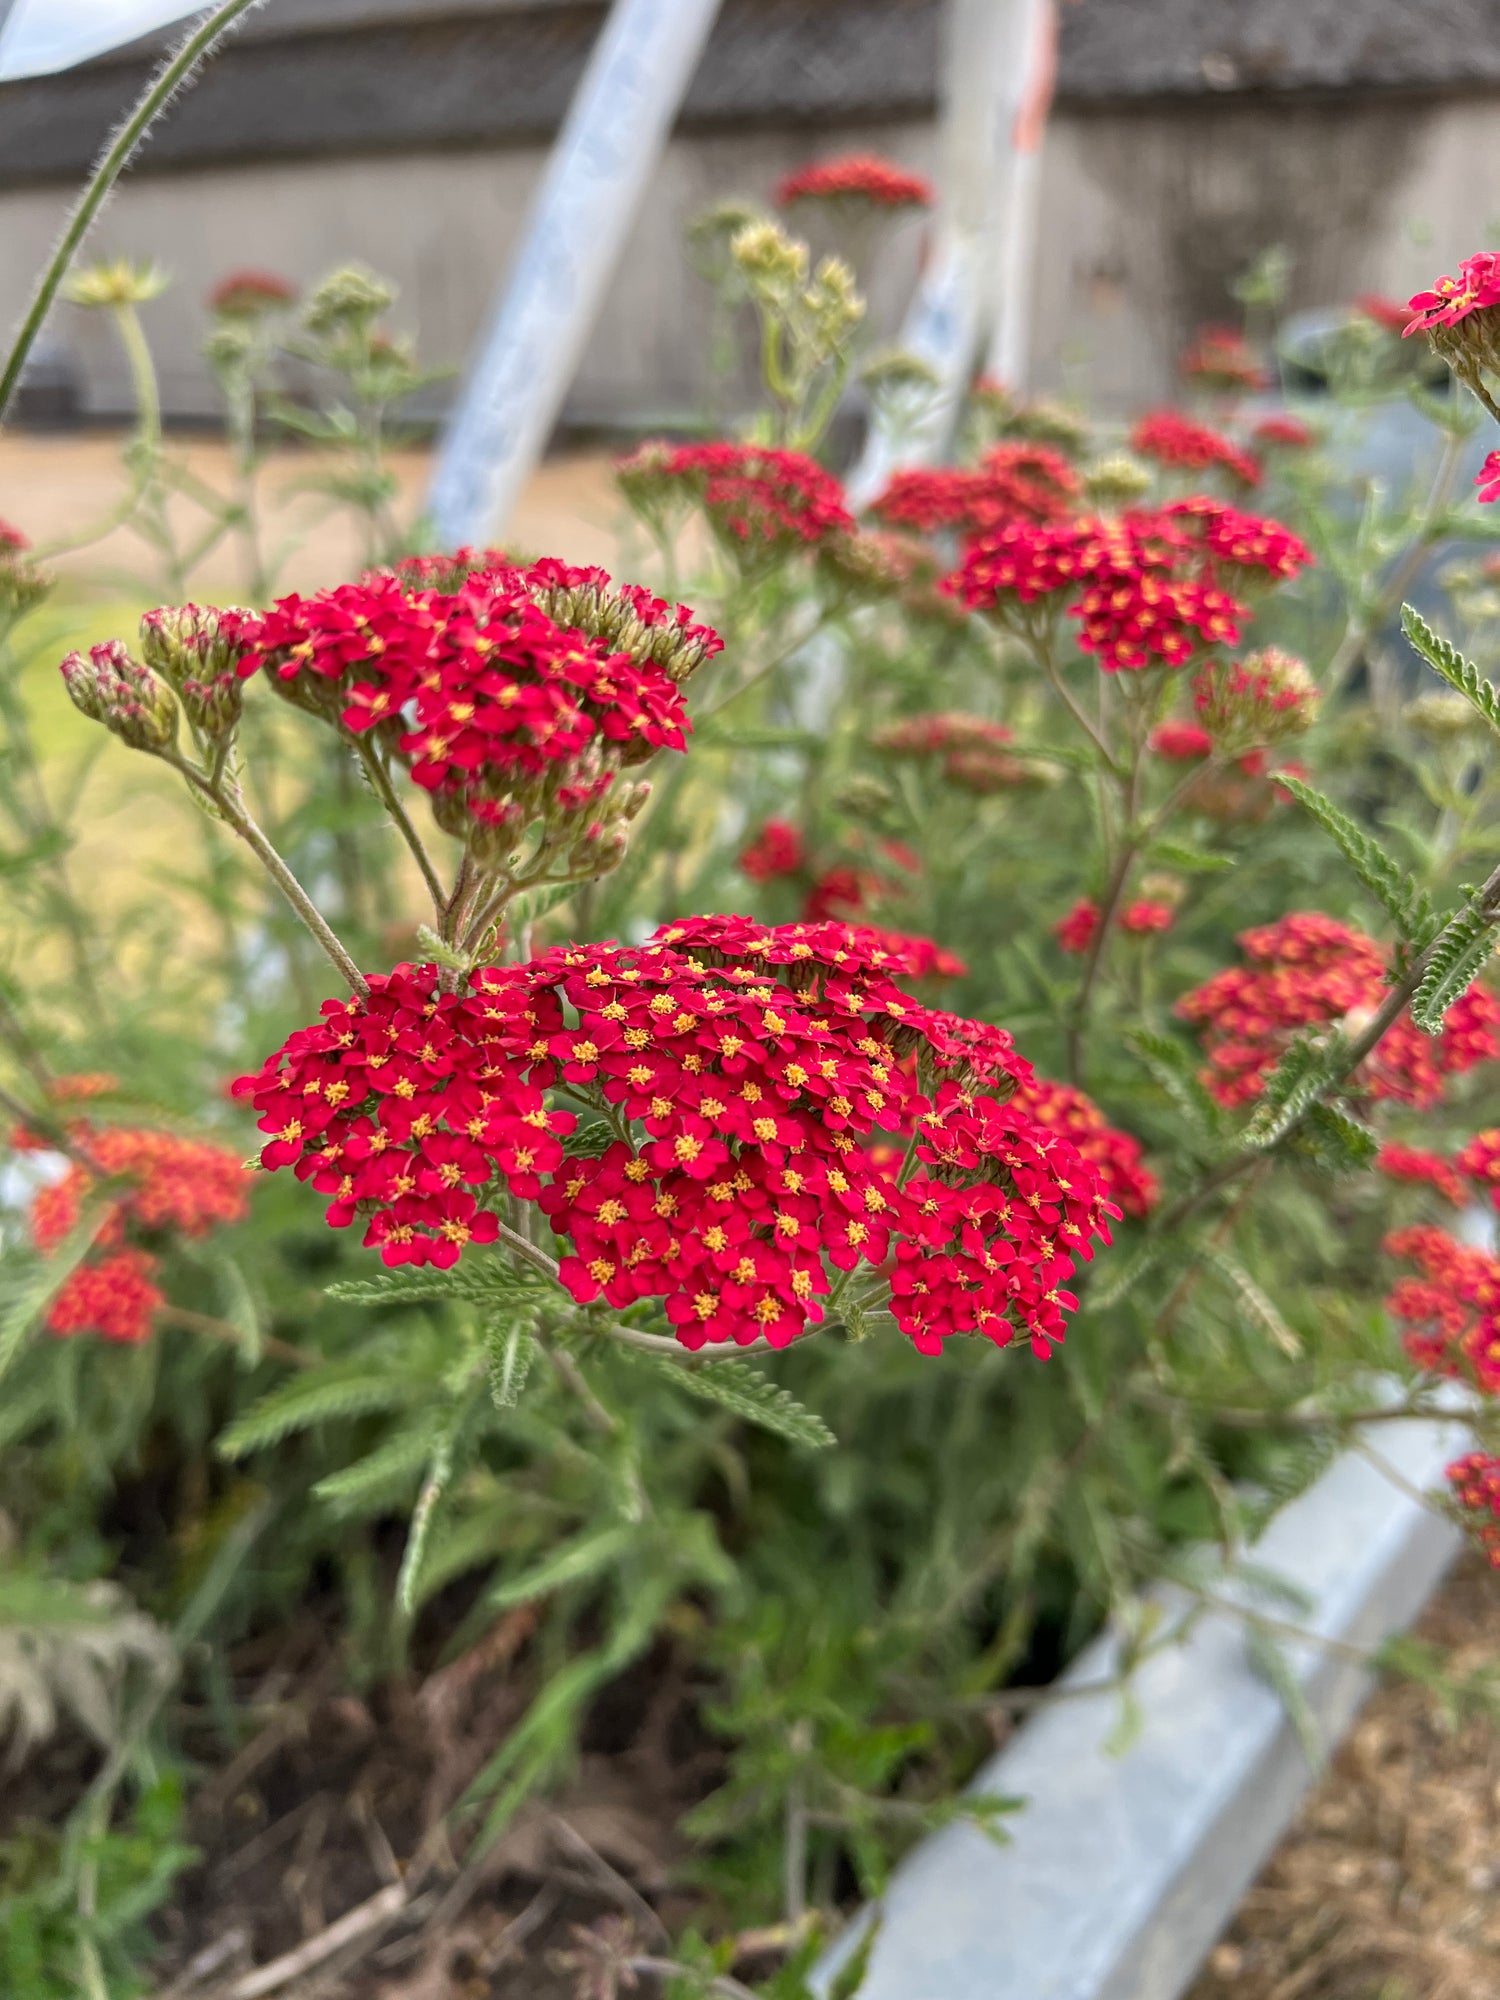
[778,849]
[837,892]
[1453,299]
[12,541]
[1075,931]
[1387,313]
[1012,482]
[1310,971]
[114,1298]
[1147,916]
[247,294]
[179,1186]
[1480,1161]
[1452,1312]
[1475,1480]
[1183,742]
[1488,479]
[1173,439]
[1146,594]
[1119,1157]
[1410,1163]
[761,503]
[753,1065]
[501,713]
[855,177]
[1222,358]
[1240,544]
[1284,433]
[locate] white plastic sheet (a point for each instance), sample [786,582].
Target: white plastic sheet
[39,37]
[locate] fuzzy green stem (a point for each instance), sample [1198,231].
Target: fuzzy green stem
[173,74]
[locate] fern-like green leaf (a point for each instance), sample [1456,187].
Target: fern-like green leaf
[373,1481]
[394,1288]
[1338,1143]
[1258,1306]
[736,1386]
[1450,663]
[1124,1278]
[1304,1071]
[1408,905]
[1174,1069]
[348,1389]
[434,1486]
[510,1350]
[1462,950]
[578,1561]
[1269,1658]
[1194,860]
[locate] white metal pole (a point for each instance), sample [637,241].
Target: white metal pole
[990,59]
[614,134]
[1018,199]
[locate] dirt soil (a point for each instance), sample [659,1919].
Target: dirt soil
[1388,1885]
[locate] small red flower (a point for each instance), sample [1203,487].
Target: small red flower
[1451,300]
[1173,439]
[1284,433]
[862,177]
[1387,313]
[1410,1163]
[1144,917]
[247,294]
[1075,931]
[1221,358]
[777,850]
[1488,479]
[1182,742]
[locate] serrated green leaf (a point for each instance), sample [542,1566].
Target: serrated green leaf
[1269,1658]
[1257,1304]
[1341,1142]
[391,1288]
[1123,1279]
[433,947]
[593,1137]
[1450,663]
[347,1389]
[1408,905]
[575,1562]
[1461,952]
[370,1480]
[1174,1068]
[1304,1071]
[511,1350]
[1193,860]
[495,1282]
[736,1386]
[434,1486]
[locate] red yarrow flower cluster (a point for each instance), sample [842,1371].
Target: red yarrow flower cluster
[1118,1156]
[1173,439]
[1013,482]
[862,177]
[248,294]
[1182,742]
[1479,1161]
[1146,593]
[1475,1480]
[178,1187]
[1284,433]
[749,1067]
[1487,479]
[1246,549]
[1222,358]
[1387,313]
[1451,1312]
[12,541]
[497,710]
[1451,300]
[1412,1163]
[761,503]
[777,850]
[1310,971]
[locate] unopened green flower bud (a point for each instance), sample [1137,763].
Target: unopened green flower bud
[896,371]
[774,265]
[350,296]
[863,797]
[1047,422]
[110,686]
[1264,698]
[834,305]
[1116,481]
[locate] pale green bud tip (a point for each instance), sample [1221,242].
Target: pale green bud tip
[110,686]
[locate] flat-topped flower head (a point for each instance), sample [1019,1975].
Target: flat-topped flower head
[251,294]
[855,178]
[1012,482]
[1307,973]
[504,714]
[762,504]
[1450,1312]
[1221,358]
[1459,316]
[1175,440]
[1475,1483]
[778,849]
[748,1071]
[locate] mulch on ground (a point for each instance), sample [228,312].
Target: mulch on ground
[1387,1887]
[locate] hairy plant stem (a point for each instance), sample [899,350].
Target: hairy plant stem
[174,73]
[385,791]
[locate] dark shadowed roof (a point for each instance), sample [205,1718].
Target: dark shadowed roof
[311,77]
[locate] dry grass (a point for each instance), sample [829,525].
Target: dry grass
[1388,1885]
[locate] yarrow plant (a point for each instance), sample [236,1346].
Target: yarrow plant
[908,980]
